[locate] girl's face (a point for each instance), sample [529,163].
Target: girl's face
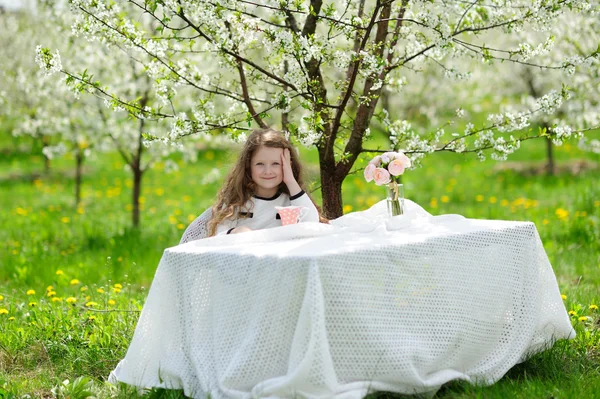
[267,171]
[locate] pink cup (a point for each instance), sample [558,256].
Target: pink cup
[291,214]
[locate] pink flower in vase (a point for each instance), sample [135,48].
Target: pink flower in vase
[396,167]
[376,161]
[381,176]
[370,172]
[404,159]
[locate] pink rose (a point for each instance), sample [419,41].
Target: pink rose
[404,159]
[376,161]
[369,172]
[381,176]
[388,156]
[396,167]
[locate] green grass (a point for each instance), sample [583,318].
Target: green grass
[46,241]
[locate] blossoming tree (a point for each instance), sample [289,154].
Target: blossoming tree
[320,66]
[575,35]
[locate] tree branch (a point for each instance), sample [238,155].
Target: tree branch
[367,107]
[346,97]
[247,100]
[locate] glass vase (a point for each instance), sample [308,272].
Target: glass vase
[395,199]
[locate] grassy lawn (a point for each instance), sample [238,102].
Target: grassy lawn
[72,280]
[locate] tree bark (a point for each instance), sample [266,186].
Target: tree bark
[137,189]
[550,168]
[78,173]
[331,190]
[46,143]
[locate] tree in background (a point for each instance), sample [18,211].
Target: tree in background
[70,123]
[575,36]
[320,65]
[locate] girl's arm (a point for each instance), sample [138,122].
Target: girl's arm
[229,227]
[302,199]
[297,195]
[288,175]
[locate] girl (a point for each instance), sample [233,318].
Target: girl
[266,175]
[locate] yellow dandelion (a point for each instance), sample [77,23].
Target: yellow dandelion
[59,272]
[3,311]
[563,296]
[11,318]
[504,202]
[347,208]
[562,214]
[92,318]
[83,289]
[56,299]
[87,298]
[71,299]
[74,281]
[479,198]
[433,203]
[65,219]
[545,222]
[80,210]
[593,307]
[51,293]
[32,304]
[116,290]
[111,302]
[572,312]
[119,286]
[159,192]
[30,292]
[493,200]
[91,304]
[583,318]
[49,288]
[180,226]
[120,259]
[444,198]
[100,290]
[1,298]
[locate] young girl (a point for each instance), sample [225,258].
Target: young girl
[267,174]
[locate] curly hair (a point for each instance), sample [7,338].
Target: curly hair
[239,187]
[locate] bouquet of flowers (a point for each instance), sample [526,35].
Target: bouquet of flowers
[386,169]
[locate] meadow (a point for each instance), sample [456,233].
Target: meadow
[73,279]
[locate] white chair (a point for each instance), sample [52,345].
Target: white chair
[198,229]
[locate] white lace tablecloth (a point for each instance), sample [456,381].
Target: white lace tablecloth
[365,304]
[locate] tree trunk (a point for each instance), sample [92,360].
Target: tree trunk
[78,174]
[137,189]
[331,191]
[46,143]
[550,170]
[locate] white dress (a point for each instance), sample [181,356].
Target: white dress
[260,212]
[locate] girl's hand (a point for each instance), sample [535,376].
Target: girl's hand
[288,173]
[241,229]
[286,162]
